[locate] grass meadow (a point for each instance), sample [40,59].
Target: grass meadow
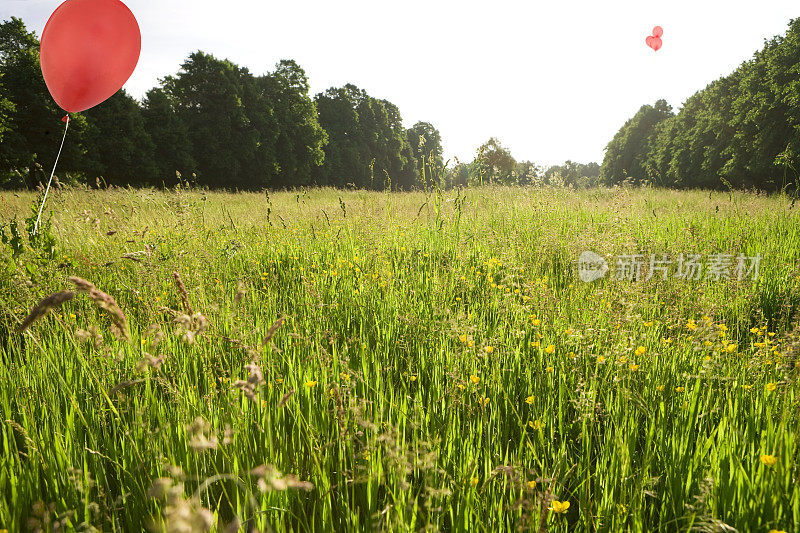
[325,360]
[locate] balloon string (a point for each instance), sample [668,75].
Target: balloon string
[36,226]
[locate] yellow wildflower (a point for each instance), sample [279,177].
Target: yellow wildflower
[640,350]
[475,379]
[559,507]
[536,424]
[529,400]
[550,349]
[771,387]
[769,460]
[311,384]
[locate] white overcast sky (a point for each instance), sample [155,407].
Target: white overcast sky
[552,80]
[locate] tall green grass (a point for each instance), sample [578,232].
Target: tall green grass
[440,365]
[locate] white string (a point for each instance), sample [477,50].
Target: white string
[36,226]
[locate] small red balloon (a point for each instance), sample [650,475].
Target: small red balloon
[653,42]
[658,31]
[89,49]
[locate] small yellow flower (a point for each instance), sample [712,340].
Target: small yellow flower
[730,348]
[550,349]
[572,355]
[660,388]
[470,344]
[634,368]
[568,331]
[463,338]
[640,350]
[489,349]
[753,330]
[536,424]
[622,360]
[475,379]
[531,485]
[691,325]
[535,321]
[648,324]
[679,389]
[413,378]
[484,401]
[529,400]
[311,384]
[550,369]
[601,358]
[460,386]
[771,387]
[559,507]
[769,460]
[747,387]
[534,344]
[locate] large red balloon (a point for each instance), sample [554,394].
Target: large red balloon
[653,42]
[88,51]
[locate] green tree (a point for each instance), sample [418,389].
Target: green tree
[494,163]
[218,101]
[300,140]
[172,147]
[117,144]
[627,152]
[366,141]
[32,120]
[426,146]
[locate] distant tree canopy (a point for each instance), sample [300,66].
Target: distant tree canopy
[213,123]
[426,146]
[367,144]
[742,130]
[218,125]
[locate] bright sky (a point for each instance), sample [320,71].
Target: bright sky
[552,80]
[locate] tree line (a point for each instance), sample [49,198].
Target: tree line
[741,131]
[214,124]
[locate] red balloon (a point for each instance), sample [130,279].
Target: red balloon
[658,31]
[89,49]
[653,42]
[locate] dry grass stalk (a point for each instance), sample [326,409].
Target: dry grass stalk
[187,307]
[41,309]
[285,398]
[254,381]
[241,290]
[272,330]
[106,302]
